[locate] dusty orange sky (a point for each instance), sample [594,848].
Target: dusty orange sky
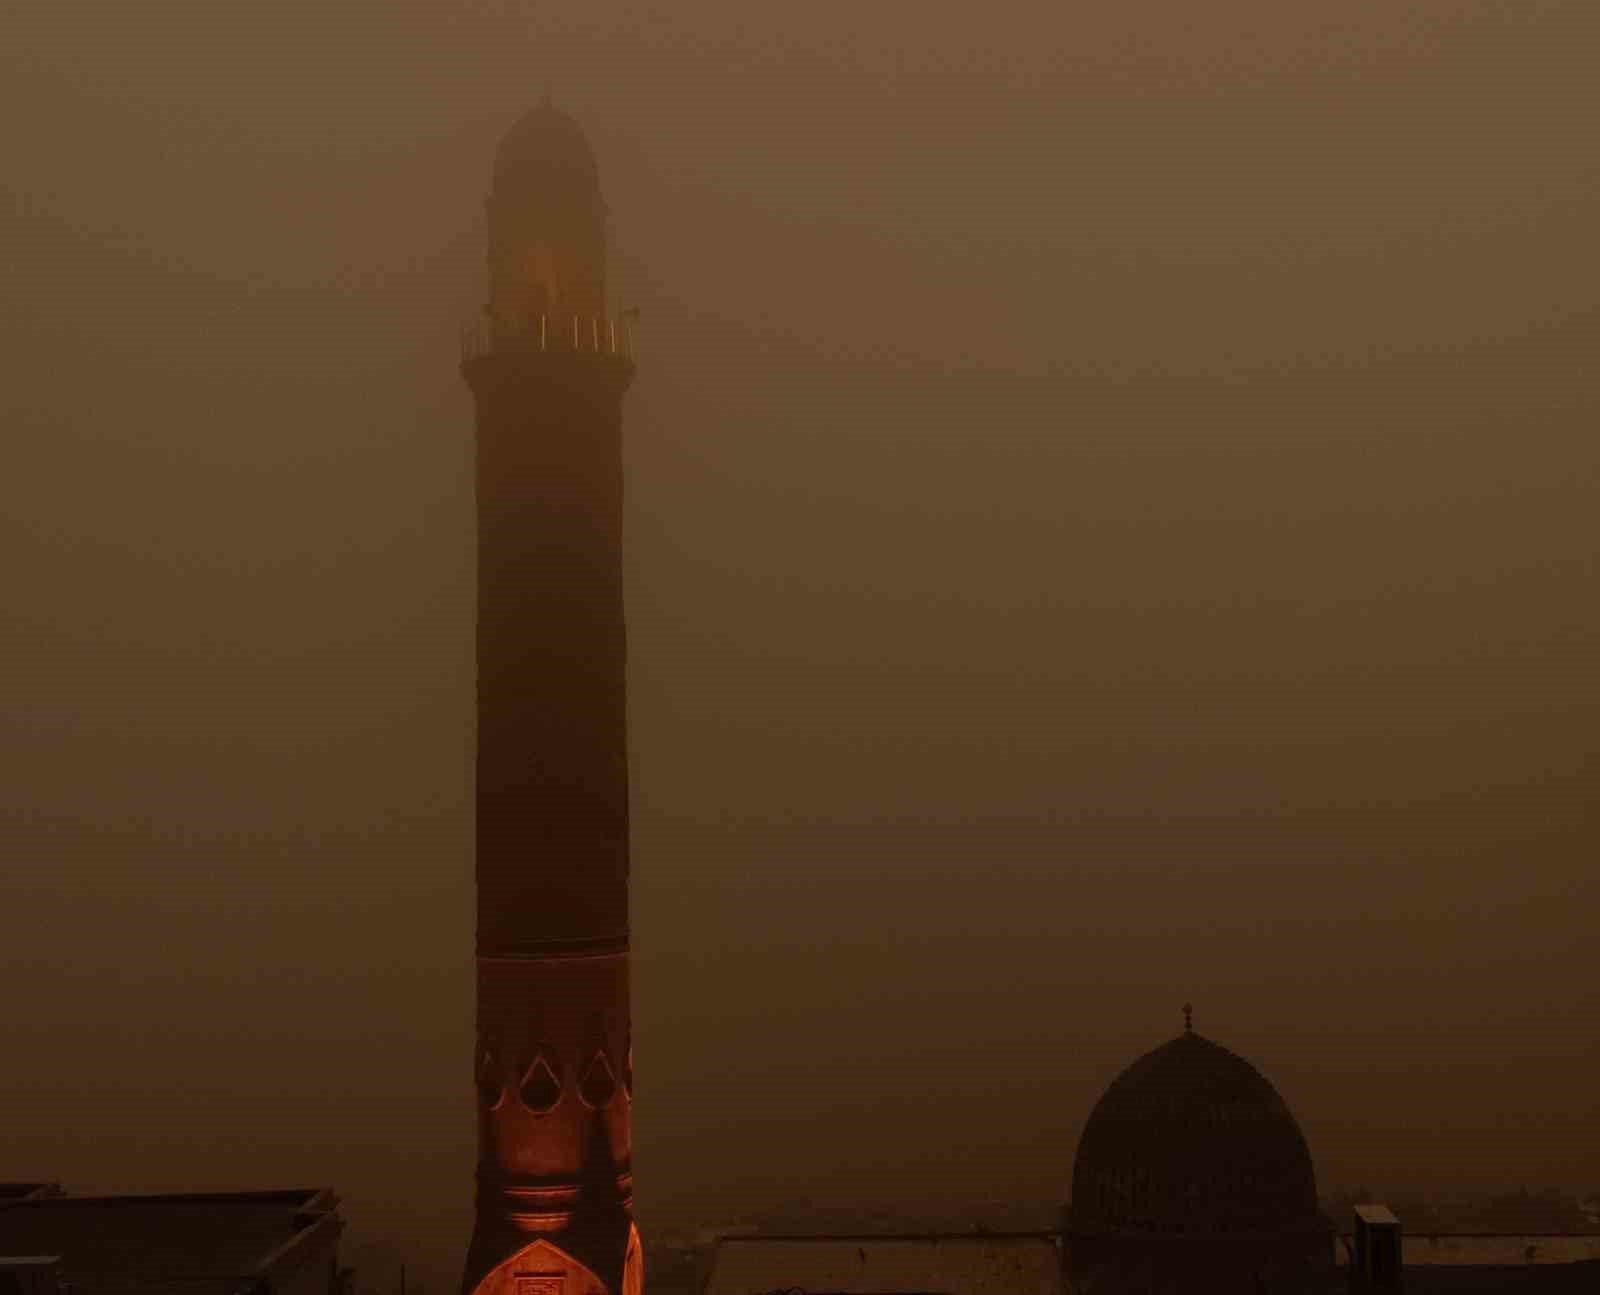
[1112,520]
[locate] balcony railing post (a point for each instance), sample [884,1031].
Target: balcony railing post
[482,337]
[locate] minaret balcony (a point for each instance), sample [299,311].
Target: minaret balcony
[566,334]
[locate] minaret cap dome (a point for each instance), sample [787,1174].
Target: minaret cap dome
[545,147]
[1192,1138]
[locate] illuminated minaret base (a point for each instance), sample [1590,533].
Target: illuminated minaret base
[554,1057]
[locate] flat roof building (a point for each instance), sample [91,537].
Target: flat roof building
[958,1264]
[204,1243]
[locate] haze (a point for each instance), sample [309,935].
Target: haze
[1112,521]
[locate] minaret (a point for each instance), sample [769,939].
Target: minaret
[554,1063]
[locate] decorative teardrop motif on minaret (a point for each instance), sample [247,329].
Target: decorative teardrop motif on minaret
[541,1087]
[627,1065]
[599,1084]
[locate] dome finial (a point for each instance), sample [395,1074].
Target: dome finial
[1188,1018]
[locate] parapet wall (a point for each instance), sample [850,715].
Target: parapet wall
[1492,1249]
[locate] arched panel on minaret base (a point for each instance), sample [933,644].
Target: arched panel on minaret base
[540,1269]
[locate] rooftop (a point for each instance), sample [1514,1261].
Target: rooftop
[954,1264]
[209,1243]
[1493,1249]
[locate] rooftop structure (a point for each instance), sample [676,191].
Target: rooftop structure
[212,1243]
[1491,1250]
[1375,1256]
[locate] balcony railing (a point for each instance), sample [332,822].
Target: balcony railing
[568,334]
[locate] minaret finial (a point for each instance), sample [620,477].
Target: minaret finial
[1188,1018]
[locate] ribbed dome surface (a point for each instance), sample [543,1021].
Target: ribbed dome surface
[1192,1139]
[546,149]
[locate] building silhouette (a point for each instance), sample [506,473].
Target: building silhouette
[1192,1177]
[548,368]
[1192,1173]
[192,1243]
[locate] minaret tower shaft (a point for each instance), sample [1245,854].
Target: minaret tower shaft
[554,1068]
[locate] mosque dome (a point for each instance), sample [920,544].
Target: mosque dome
[546,149]
[1191,1140]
